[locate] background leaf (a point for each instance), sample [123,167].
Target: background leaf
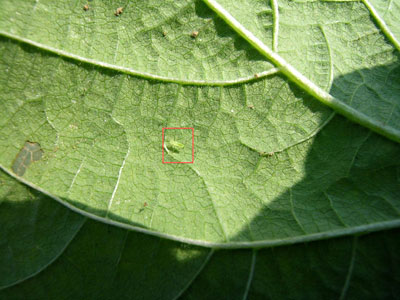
[34,231]
[104,262]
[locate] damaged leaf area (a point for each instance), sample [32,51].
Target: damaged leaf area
[30,153]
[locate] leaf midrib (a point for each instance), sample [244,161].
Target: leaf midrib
[303,82]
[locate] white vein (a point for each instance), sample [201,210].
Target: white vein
[207,259]
[302,81]
[76,175]
[293,213]
[382,24]
[275,33]
[135,72]
[116,48]
[350,270]
[117,184]
[212,202]
[251,274]
[330,58]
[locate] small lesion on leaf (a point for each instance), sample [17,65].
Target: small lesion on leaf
[30,153]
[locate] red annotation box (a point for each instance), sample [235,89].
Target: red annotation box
[169,129]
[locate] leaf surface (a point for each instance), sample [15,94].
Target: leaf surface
[312,43]
[152,38]
[34,231]
[326,37]
[271,165]
[104,262]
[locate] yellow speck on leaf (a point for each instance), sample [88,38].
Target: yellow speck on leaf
[119,11]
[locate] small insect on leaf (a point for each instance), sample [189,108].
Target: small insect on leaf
[256,76]
[29,153]
[173,146]
[145,204]
[119,11]
[86,7]
[266,154]
[194,34]
[251,106]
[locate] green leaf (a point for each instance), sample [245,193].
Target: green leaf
[327,37]
[103,262]
[34,231]
[386,14]
[137,42]
[107,133]
[100,131]
[87,94]
[312,43]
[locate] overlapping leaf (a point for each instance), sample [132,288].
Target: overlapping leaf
[261,173]
[103,262]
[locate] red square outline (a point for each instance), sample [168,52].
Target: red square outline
[162,146]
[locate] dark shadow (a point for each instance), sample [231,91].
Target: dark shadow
[350,173]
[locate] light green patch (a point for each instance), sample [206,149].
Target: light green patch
[30,153]
[174,146]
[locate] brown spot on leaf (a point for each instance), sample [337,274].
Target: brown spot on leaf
[119,11]
[194,34]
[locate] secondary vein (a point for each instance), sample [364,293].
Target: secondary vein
[137,73]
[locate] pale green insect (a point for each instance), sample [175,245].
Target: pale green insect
[173,146]
[265,154]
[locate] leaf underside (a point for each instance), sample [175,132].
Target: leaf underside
[101,132]
[208,123]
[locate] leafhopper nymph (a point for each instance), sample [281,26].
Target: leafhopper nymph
[266,154]
[173,146]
